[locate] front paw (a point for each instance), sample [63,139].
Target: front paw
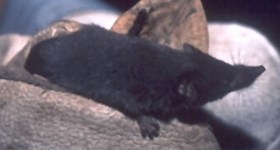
[149,127]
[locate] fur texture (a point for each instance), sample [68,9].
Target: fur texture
[142,79]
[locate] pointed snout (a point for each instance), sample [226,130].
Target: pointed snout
[257,70]
[246,76]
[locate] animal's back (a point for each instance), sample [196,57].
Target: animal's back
[110,60]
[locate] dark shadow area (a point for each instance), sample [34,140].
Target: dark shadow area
[228,136]
[259,14]
[122,5]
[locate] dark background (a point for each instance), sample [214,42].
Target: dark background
[264,15]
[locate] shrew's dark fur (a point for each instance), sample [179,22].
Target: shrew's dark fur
[142,79]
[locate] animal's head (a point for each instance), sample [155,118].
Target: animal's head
[212,79]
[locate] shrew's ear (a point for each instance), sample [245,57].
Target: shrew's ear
[187,89]
[189,48]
